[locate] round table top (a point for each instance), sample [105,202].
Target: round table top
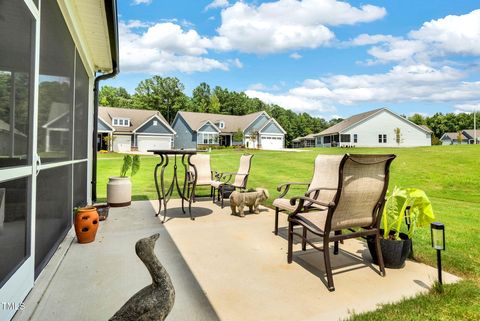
[173,151]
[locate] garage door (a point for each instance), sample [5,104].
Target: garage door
[272,142]
[121,144]
[145,143]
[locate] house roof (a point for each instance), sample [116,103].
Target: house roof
[426,128]
[471,133]
[350,121]
[309,136]
[355,119]
[232,122]
[452,136]
[137,117]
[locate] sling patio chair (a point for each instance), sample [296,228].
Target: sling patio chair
[240,177]
[357,209]
[322,187]
[205,175]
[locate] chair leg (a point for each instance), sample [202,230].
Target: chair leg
[328,266]
[335,244]
[290,242]
[276,221]
[304,239]
[378,249]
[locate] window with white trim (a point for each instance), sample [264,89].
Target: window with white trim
[121,122]
[221,125]
[155,123]
[207,138]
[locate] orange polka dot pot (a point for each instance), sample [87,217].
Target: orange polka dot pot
[86,224]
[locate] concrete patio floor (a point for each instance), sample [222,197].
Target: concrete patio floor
[223,268]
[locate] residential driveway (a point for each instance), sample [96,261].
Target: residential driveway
[223,267]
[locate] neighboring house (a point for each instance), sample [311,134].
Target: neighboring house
[133,130]
[51,53]
[467,137]
[306,141]
[471,135]
[375,128]
[452,139]
[259,130]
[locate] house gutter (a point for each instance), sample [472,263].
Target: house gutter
[112,23]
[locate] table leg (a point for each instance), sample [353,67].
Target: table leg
[155,176]
[163,197]
[186,194]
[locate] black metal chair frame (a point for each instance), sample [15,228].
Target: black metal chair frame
[303,204]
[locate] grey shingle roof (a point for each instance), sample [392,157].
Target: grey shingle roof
[426,128]
[137,117]
[232,122]
[452,136]
[471,133]
[348,122]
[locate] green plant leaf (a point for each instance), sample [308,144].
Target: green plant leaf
[393,218]
[135,164]
[127,163]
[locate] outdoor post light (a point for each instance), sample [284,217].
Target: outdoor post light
[438,242]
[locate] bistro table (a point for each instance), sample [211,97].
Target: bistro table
[164,193]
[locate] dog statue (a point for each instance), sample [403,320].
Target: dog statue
[250,199]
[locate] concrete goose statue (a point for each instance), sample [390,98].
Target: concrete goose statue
[155,301]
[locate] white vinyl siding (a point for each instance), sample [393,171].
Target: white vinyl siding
[384,123]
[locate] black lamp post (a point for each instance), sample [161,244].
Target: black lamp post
[438,242]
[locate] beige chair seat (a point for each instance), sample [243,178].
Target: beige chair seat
[315,220]
[204,182]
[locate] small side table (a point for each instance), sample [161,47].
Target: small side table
[164,193]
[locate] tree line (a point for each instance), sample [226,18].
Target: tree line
[166,95]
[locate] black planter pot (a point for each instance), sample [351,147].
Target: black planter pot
[394,252]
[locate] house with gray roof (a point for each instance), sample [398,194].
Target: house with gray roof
[259,130]
[467,136]
[376,128]
[123,130]
[305,141]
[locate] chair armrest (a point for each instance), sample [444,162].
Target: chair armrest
[287,187]
[302,199]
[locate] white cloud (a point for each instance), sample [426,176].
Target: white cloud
[165,47]
[295,103]
[263,87]
[236,63]
[467,108]
[412,83]
[295,56]
[436,38]
[286,24]
[452,34]
[217,4]
[137,2]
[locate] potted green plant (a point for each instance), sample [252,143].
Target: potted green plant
[119,188]
[404,211]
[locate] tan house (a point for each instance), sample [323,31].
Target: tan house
[124,130]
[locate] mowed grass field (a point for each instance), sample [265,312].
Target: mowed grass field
[450,175]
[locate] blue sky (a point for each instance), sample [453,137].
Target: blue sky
[325,57]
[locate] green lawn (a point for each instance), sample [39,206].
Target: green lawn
[450,175]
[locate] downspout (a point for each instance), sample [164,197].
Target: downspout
[111,10]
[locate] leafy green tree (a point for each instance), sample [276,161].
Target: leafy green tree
[114,97]
[162,94]
[417,119]
[238,135]
[214,104]
[201,98]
